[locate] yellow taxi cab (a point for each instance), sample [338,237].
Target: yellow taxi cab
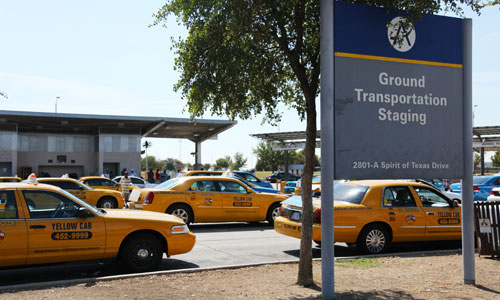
[208,199]
[42,224]
[103,183]
[315,187]
[375,213]
[10,179]
[98,197]
[199,173]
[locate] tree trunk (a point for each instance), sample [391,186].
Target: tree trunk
[305,276]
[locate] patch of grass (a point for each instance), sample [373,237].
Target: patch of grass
[262,174]
[358,263]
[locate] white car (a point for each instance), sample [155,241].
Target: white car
[495,194]
[453,196]
[136,181]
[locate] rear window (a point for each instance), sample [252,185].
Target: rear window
[352,193]
[480,179]
[168,184]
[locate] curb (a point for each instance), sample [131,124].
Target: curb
[58,283]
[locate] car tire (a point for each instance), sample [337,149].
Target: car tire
[374,239]
[107,202]
[141,253]
[272,213]
[182,211]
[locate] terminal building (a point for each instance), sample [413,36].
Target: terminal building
[53,144]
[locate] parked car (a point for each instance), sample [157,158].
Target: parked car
[10,179]
[281,176]
[44,224]
[247,176]
[375,213]
[254,187]
[315,186]
[482,186]
[208,199]
[98,197]
[494,194]
[136,181]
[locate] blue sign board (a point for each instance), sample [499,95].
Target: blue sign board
[398,95]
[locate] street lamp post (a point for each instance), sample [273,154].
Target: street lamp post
[57,98]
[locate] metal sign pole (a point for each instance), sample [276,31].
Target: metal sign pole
[467,191]
[327,148]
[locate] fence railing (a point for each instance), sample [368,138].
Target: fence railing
[487,224]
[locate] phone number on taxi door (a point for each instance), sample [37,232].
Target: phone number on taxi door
[71,235]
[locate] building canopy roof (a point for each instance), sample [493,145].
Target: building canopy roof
[487,137]
[197,130]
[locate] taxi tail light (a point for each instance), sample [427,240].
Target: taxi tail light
[149,198]
[475,189]
[317,216]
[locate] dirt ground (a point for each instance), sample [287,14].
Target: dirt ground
[423,277]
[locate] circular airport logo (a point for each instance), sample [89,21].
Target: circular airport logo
[401,34]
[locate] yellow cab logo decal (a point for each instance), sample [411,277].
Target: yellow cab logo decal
[242,201]
[71,231]
[7,223]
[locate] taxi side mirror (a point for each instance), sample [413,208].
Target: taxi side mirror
[83,213]
[456,202]
[249,192]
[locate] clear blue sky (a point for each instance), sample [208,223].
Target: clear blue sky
[101,57]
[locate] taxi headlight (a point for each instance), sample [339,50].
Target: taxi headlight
[179,229]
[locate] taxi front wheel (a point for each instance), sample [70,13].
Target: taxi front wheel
[107,202]
[373,239]
[141,253]
[273,213]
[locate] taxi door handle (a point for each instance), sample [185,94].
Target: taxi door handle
[392,213]
[430,213]
[37,226]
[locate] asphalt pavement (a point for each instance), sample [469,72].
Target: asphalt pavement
[217,245]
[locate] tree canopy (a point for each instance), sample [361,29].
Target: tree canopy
[242,58]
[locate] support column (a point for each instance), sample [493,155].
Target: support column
[482,160]
[197,156]
[327,148]
[286,165]
[469,274]
[100,157]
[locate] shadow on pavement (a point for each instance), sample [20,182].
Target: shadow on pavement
[222,227]
[342,250]
[79,270]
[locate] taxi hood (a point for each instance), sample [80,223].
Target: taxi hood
[136,215]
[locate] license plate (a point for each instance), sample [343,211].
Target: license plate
[134,196]
[295,216]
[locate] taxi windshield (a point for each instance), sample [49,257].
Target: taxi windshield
[348,192]
[168,184]
[83,203]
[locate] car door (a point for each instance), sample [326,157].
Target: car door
[206,201]
[13,234]
[56,234]
[406,218]
[238,204]
[442,218]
